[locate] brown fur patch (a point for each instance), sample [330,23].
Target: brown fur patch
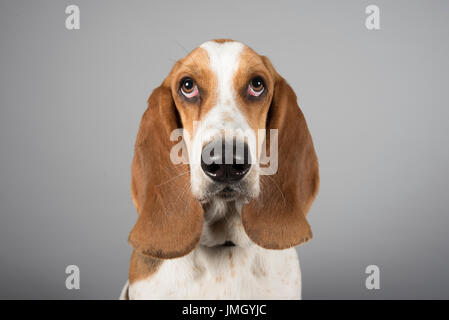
[141,267]
[254,110]
[223,40]
[195,66]
[231,261]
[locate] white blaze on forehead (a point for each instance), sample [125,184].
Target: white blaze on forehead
[224,60]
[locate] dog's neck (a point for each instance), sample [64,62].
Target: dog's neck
[223,224]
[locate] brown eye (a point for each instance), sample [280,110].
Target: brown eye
[189,88]
[256,87]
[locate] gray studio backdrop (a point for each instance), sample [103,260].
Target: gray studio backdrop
[376,103]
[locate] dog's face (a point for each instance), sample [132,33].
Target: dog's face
[222,95]
[222,92]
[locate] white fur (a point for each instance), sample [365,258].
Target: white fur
[210,273]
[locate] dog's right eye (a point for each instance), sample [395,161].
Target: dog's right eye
[256,87]
[189,88]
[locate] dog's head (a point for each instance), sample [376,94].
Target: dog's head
[243,140]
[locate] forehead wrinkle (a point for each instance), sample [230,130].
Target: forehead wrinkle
[250,62]
[196,61]
[191,67]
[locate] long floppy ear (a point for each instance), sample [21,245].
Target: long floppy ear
[277,219]
[170,220]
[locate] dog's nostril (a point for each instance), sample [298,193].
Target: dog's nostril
[212,168]
[216,166]
[238,171]
[239,167]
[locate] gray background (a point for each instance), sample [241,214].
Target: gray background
[376,103]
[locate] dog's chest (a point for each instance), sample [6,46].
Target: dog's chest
[227,273]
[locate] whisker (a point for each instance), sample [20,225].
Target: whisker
[186,65]
[260,198]
[186,186]
[277,186]
[191,58]
[171,179]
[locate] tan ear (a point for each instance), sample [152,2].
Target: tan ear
[277,219]
[170,220]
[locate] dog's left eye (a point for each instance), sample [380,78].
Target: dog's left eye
[189,88]
[256,87]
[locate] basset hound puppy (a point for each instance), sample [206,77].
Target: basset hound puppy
[220,228]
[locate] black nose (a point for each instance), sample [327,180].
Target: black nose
[225,161]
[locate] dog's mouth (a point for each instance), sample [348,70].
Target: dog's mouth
[228,193]
[222,246]
[226,244]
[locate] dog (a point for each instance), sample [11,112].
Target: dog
[209,228]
